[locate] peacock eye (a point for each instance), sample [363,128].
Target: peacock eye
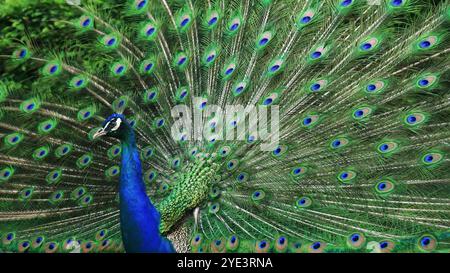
[113,125]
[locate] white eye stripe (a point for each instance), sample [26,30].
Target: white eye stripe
[118,122]
[114,122]
[106,125]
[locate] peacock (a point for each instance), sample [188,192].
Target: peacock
[349,151]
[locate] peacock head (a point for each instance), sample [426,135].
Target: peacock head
[115,126]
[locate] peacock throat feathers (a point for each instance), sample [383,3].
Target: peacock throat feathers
[190,191]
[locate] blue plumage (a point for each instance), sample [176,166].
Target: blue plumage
[138,216]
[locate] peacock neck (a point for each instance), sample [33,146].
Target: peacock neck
[131,174]
[131,164]
[139,218]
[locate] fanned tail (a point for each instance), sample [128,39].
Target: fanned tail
[362,158]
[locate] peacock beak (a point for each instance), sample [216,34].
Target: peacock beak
[99,133]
